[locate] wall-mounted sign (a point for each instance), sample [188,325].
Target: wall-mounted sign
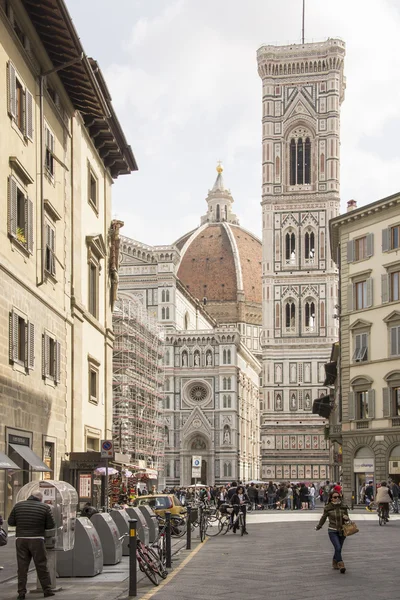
[85,485]
[364,465]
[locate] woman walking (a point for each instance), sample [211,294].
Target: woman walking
[338,514]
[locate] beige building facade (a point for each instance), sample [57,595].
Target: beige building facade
[365,422]
[302,91]
[55,278]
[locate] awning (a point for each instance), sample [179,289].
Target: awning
[322,407]
[31,458]
[330,373]
[6,463]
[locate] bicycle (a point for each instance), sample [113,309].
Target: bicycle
[148,561]
[383,514]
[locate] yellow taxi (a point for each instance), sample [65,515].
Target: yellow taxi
[162,502]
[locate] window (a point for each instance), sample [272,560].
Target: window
[20,103]
[394,286]
[360,294]
[360,248]
[226,357]
[165,296]
[50,257]
[165,313]
[51,358]
[22,340]
[49,151]
[92,444]
[20,215]
[362,405]
[360,347]
[93,289]
[391,238]
[92,189]
[290,248]
[227,470]
[93,380]
[309,310]
[226,401]
[300,161]
[290,316]
[395,340]
[309,246]
[226,383]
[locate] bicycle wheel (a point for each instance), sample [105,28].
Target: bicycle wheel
[178,526]
[213,526]
[225,520]
[157,563]
[381,519]
[146,567]
[241,523]
[202,529]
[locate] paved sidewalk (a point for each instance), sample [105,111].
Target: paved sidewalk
[289,560]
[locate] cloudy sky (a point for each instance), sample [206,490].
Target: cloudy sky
[184,82]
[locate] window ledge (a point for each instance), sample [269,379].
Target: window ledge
[20,368]
[48,175]
[94,207]
[51,211]
[20,170]
[49,381]
[20,245]
[365,273]
[93,401]
[50,276]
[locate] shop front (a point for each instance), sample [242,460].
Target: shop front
[363,469]
[394,464]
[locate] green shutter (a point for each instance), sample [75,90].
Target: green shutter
[13,336]
[29,224]
[370,288]
[370,244]
[12,90]
[57,362]
[350,297]
[371,404]
[385,288]
[351,407]
[31,345]
[29,115]
[385,239]
[12,206]
[350,251]
[387,412]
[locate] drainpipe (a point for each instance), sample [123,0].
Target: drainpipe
[42,77]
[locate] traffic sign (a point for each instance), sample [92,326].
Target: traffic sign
[196,461]
[107,449]
[196,472]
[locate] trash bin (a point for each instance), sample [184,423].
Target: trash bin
[121,519]
[142,527]
[86,558]
[109,537]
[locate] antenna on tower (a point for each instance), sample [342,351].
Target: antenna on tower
[302,28]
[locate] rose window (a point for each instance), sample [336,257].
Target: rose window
[198,393]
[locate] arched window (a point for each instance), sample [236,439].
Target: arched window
[309,246]
[218,213]
[228,357]
[226,213]
[224,357]
[277,315]
[168,470]
[163,296]
[224,403]
[309,310]
[290,248]
[187,321]
[167,313]
[300,161]
[167,296]
[166,385]
[166,435]
[224,384]
[166,358]
[227,470]
[163,313]
[290,315]
[228,383]
[167,403]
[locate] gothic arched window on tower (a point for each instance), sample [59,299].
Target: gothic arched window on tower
[218,213]
[300,161]
[309,310]
[290,317]
[309,247]
[290,248]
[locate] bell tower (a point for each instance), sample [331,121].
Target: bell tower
[302,90]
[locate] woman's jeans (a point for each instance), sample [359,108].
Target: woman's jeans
[337,542]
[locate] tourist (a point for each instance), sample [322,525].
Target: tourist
[337,513]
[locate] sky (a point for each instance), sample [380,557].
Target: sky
[184,83]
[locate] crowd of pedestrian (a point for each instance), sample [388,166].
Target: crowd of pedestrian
[367,494]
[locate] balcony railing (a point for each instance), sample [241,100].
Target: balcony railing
[362,424]
[396,422]
[336,428]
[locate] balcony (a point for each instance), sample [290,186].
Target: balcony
[362,424]
[396,422]
[335,433]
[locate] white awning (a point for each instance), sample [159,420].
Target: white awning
[31,458]
[6,463]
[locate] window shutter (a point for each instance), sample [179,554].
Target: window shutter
[12,90]
[29,115]
[387,412]
[12,206]
[31,345]
[371,404]
[385,288]
[385,239]
[350,297]
[370,283]
[394,341]
[53,255]
[351,407]
[57,362]
[398,339]
[357,346]
[29,224]
[45,354]
[350,251]
[370,244]
[13,336]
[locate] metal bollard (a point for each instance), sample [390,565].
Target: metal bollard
[168,562]
[189,529]
[132,557]
[352,499]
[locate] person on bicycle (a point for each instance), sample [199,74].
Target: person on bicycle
[383,498]
[239,501]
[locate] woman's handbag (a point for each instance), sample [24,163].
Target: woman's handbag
[350,528]
[3,537]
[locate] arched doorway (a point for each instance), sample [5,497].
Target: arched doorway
[197,444]
[363,469]
[394,464]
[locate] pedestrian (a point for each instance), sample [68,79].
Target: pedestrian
[304,496]
[253,495]
[290,498]
[270,492]
[239,501]
[327,491]
[337,513]
[88,510]
[395,491]
[312,491]
[1,525]
[369,493]
[31,518]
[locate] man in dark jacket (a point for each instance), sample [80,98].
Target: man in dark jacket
[31,518]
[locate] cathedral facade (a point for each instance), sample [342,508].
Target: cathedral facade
[302,90]
[205,291]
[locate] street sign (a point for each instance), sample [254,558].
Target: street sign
[196,472]
[196,461]
[107,449]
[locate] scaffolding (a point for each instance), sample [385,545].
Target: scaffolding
[138,383]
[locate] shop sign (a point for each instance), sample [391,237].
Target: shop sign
[394,467]
[364,465]
[18,439]
[85,485]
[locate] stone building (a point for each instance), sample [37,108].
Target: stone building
[205,289]
[302,90]
[365,422]
[61,148]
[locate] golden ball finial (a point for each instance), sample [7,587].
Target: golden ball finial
[220,168]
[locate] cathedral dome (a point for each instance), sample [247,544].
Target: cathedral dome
[221,262]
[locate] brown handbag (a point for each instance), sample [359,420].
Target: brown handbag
[350,528]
